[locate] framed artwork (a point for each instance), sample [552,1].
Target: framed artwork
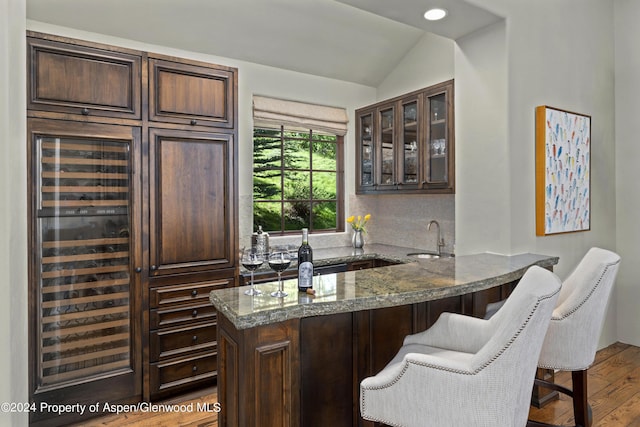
[563,171]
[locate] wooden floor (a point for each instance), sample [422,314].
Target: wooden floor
[613,386]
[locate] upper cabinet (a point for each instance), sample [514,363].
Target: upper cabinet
[83,80]
[191,94]
[406,144]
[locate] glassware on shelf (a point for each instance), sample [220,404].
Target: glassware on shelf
[279,261]
[251,260]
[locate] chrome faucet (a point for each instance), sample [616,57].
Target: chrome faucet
[440,240]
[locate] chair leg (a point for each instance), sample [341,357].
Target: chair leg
[581,408]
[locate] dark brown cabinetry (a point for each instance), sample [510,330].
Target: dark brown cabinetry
[191,94]
[406,144]
[182,339]
[192,217]
[83,80]
[133,220]
[191,210]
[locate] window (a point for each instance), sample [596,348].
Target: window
[297,180]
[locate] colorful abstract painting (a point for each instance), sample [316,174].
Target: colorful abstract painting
[563,173]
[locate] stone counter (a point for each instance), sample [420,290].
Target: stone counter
[415,281]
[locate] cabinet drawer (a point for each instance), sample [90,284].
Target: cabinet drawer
[184,93]
[192,293]
[82,80]
[183,373]
[176,342]
[160,318]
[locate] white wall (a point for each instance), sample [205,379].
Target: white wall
[429,62]
[627,72]
[482,152]
[13,211]
[558,54]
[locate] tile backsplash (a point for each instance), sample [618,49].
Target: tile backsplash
[401,219]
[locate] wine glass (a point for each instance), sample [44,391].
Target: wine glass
[251,260]
[279,261]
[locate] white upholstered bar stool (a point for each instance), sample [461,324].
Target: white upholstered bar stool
[572,338]
[465,371]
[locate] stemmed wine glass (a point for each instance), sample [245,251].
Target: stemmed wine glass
[251,260]
[279,261]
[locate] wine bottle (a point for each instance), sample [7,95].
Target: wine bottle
[305,263]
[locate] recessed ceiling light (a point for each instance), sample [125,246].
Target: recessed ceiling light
[435,14]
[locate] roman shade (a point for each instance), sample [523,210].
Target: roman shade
[294,115]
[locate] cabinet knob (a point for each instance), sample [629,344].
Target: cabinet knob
[194,122]
[138,270]
[85,111]
[195,338]
[154,268]
[194,293]
[194,313]
[195,368]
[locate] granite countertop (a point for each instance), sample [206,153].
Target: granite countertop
[414,281]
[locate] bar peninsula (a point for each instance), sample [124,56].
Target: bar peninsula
[299,360]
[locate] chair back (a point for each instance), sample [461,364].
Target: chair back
[572,338]
[520,327]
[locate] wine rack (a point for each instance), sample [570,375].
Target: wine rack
[83,261]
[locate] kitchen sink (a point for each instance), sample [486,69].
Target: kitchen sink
[428,255]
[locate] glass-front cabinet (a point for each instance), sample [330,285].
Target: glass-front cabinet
[408,166]
[386,136]
[406,144]
[437,166]
[365,154]
[84,292]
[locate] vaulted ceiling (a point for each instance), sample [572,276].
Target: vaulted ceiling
[359,41]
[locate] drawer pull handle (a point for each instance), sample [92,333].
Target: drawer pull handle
[85,111]
[194,313]
[195,338]
[193,122]
[195,368]
[154,268]
[194,293]
[138,269]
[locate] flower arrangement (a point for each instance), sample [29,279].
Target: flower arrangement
[358,223]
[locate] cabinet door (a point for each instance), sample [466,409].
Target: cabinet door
[192,209]
[190,94]
[409,144]
[365,154]
[387,141]
[85,301]
[439,152]
[82,80]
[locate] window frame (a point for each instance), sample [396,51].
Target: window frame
[340,190]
